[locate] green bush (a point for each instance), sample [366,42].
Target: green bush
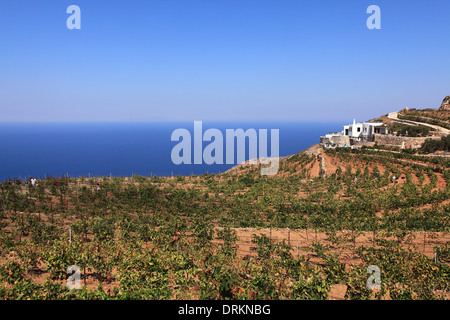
[430,146]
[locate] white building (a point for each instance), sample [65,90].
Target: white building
[362,131]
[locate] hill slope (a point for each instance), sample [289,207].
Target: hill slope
[308,232]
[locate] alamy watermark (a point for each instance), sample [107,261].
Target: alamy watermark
[73,281]
[374,21]
[213,153]
[374,280]
[74,20]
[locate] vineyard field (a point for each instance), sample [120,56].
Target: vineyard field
[309,232]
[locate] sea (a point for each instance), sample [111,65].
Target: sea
[125,149]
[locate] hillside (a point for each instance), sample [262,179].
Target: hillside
[436,119]
[162,238]
[308,232]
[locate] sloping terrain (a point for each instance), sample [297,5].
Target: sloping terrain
[310,231]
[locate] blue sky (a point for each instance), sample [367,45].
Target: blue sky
[185,60]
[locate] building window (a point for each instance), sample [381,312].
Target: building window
[359,129]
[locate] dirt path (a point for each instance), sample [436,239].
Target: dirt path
[394,116]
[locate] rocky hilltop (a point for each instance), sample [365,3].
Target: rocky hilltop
[445,106]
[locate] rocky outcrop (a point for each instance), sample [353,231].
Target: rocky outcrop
[445,106]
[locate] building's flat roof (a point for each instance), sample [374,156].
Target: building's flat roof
[371,123]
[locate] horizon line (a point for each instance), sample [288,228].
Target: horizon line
[168,121]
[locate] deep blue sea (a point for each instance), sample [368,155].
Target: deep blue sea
[124,149]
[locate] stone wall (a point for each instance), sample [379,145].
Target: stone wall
[339,141]
[359,144]
[407,142]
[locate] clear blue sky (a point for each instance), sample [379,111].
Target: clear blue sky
[158,60]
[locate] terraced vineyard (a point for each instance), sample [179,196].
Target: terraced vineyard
[430,116]
[309,232]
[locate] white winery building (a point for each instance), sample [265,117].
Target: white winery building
[362,132]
